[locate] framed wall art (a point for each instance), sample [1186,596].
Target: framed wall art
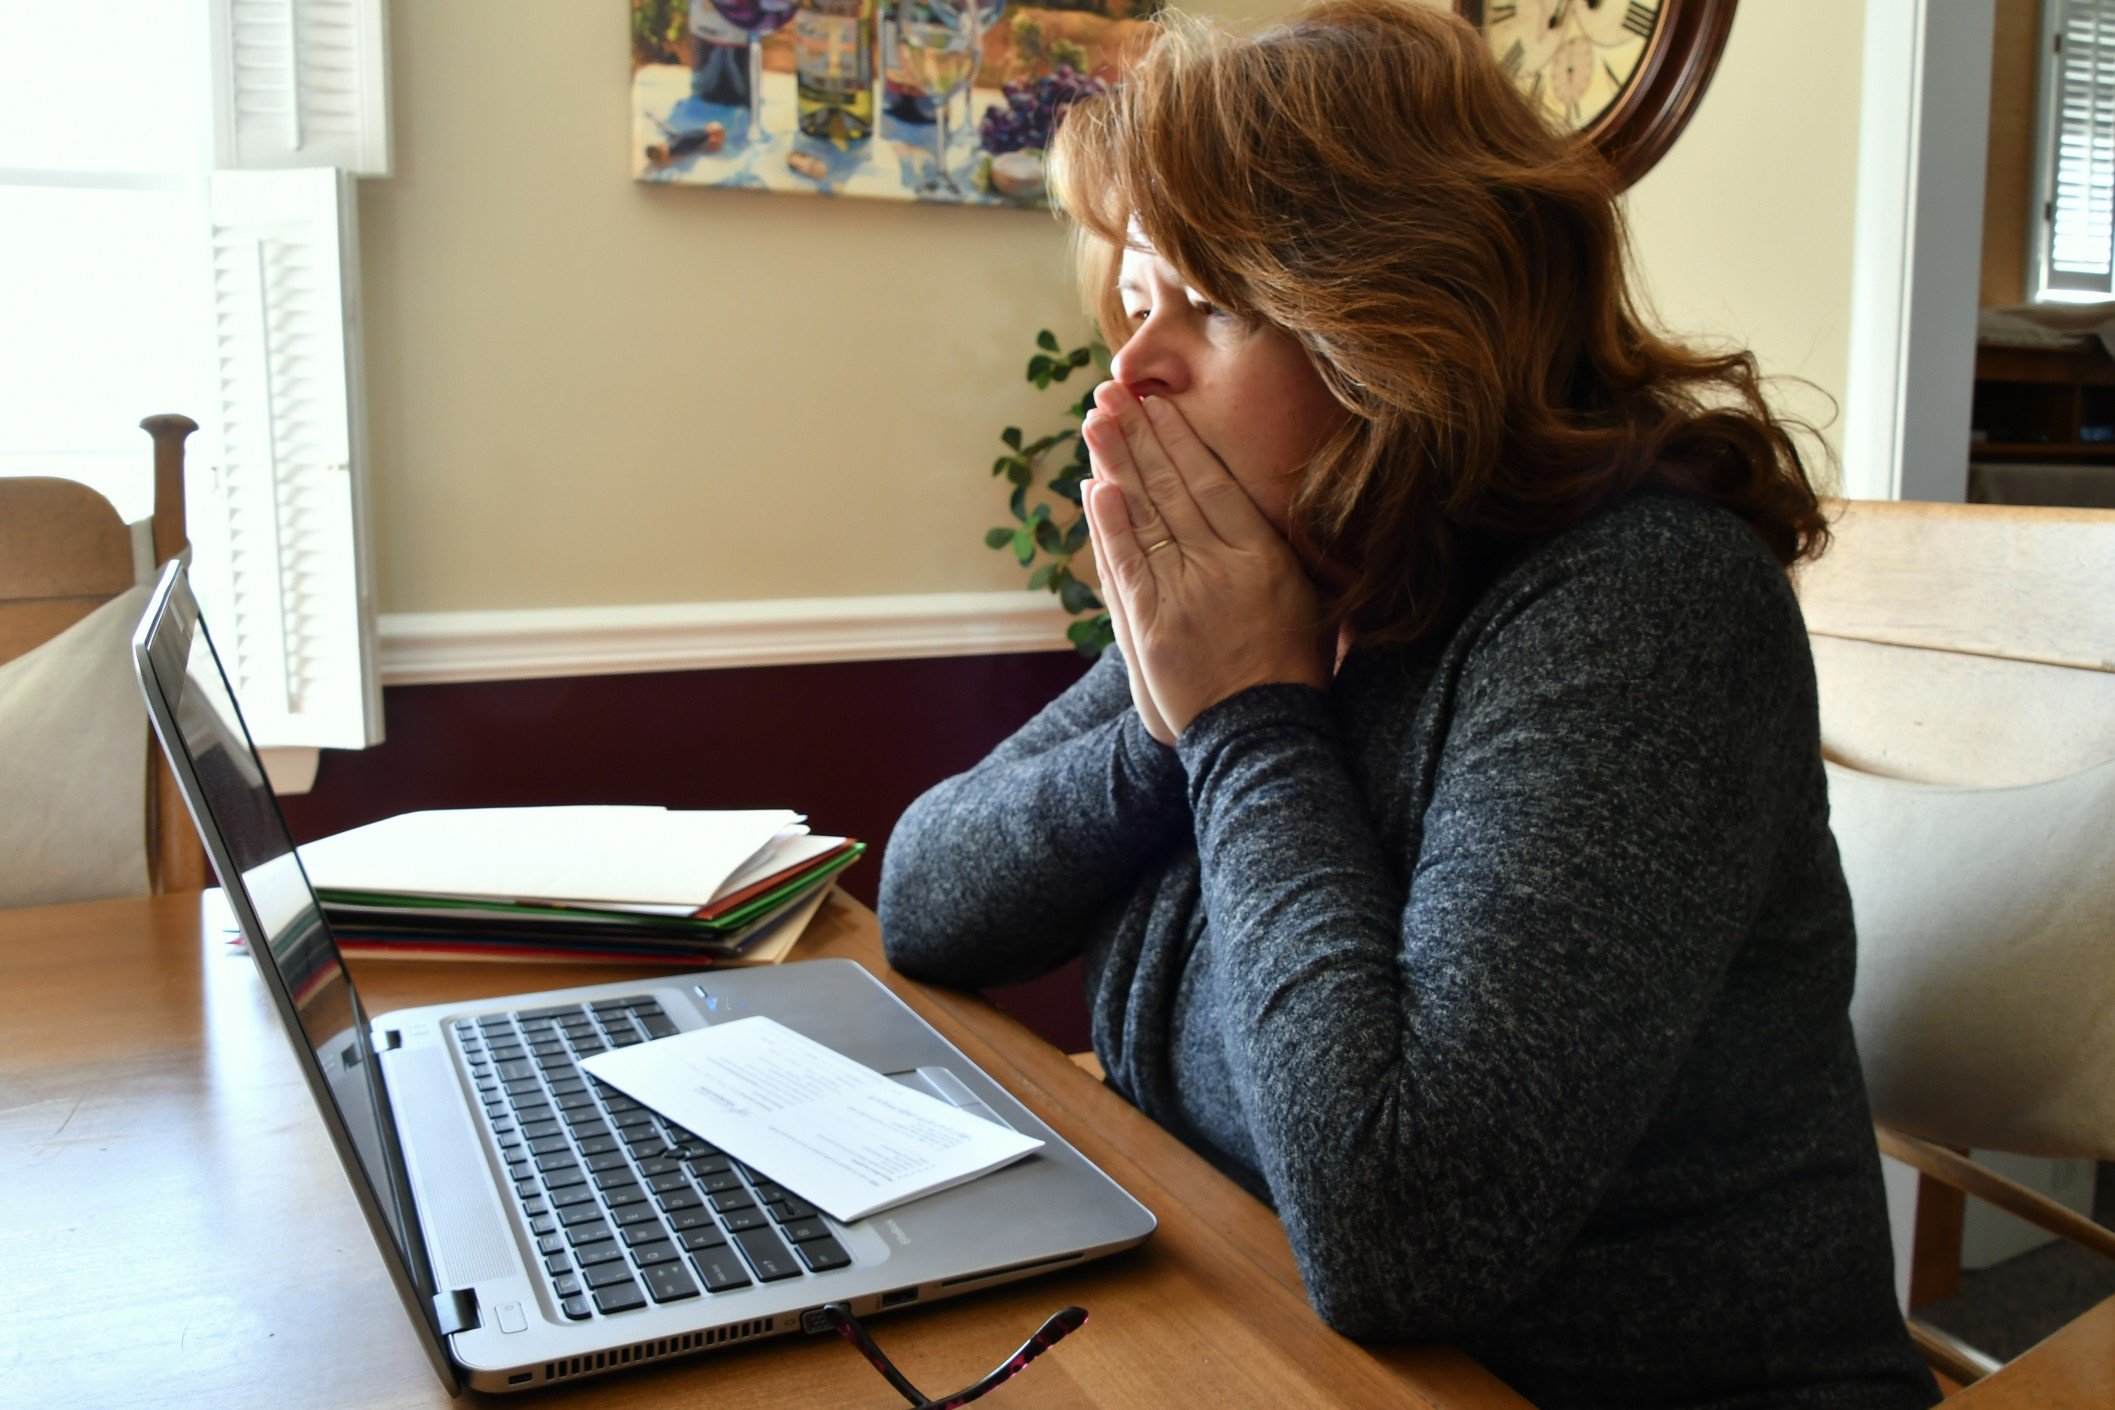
[909,100]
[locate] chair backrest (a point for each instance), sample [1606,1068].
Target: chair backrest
[63,553]
[1965,644]
[1966,661]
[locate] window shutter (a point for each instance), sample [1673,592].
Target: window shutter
[300,83]
[281,558]
[2077,157]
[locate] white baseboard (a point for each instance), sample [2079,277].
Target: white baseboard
[418,648]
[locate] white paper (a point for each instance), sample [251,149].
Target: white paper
[790,848]
[595,854]
[836,1133]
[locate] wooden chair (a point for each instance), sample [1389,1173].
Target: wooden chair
[1970,649]
[63,553]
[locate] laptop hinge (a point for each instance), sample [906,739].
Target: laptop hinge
[388,1040]
[456,1310]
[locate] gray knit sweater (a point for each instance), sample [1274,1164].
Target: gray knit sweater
[1512,971]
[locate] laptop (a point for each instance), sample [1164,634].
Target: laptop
[540,1226]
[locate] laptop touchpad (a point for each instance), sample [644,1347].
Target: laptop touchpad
[941,1083]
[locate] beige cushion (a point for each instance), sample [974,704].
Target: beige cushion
[73,764]
[1985,1006]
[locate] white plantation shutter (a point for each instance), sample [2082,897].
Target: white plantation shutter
[300,83]
[2075,251]
[281,556]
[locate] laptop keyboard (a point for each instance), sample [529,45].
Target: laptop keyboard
[627,1209]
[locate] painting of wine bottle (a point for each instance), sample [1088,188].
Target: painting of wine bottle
[942,101]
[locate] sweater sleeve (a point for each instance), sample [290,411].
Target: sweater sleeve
[995,876]
[1444,1057]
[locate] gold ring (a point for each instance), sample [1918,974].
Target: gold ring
[1153,548]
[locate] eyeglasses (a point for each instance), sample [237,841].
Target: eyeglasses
[1060,1325]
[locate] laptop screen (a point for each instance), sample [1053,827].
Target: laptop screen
[254,855]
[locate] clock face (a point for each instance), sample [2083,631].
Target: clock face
[1574,58]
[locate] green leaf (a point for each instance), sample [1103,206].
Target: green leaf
[1041,514]
[1076,536]
[997,538]
[1066,487]
[1078,357]
[1041,379]
[1046,535]
[1018,472]
[1037,365]
[1041,577]
[998,467]
[1023,545]
[1089,637]
[1076,597]
[1060,371]
[1019,501]
[1012,436]
[1046,340]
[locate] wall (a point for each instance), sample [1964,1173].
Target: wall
[585,391]
[2015,77]
[1744,230]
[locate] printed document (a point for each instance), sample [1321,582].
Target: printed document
[836,1133]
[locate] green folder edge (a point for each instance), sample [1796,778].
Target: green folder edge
[682,925]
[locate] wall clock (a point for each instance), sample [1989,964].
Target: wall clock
[1623,74]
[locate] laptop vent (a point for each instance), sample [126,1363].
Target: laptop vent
[655,1350]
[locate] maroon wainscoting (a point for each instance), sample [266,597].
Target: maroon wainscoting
[849,744]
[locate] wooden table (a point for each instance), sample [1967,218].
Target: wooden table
[175,1230]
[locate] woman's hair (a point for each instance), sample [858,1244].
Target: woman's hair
[1365,177]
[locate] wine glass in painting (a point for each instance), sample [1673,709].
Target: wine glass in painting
[757,18]
[939,44]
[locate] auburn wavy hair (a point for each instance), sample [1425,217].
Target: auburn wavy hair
[1366,178]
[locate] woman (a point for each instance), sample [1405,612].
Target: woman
[1446,839]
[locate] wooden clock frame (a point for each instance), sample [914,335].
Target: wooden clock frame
[1679,61]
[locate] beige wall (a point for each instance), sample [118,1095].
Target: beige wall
[584,391]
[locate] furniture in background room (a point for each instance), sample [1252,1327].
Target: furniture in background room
[2043,420]
[92,809]
[1966,663]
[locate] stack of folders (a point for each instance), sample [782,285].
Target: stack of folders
[600,884]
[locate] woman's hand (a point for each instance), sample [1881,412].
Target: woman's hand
[1120,623]
[1207,597]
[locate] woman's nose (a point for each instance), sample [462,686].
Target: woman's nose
[1150,364]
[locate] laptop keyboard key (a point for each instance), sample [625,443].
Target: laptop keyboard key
[802,1230]
[670,1282]
[768,1254]
[590,1255]
[705,1236]
[644,1234]
[678,1199]
[823,1254]
[618,1196]
[647,1255]
[697,1218]
[720,1269]
[599,1145]
[634,1214]
[593,1233]
[658,1027]
[607,1160]
[736,1198]
[620,1297]
[602,1275]
[738,1220]
[575,1308]
[550,1244]
[579,1213]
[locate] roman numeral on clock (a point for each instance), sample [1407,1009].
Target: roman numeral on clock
[1499,14]
[1513,58]
[1641,18]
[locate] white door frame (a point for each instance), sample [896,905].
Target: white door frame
[1923,135]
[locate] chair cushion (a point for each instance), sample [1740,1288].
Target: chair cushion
[73,764]
[1985,1004]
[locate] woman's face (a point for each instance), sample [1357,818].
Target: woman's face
[1247,390]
